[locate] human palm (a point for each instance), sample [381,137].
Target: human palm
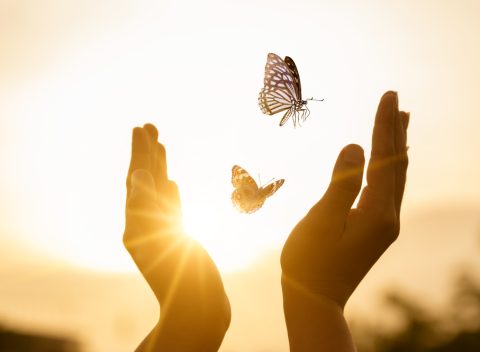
[334,246]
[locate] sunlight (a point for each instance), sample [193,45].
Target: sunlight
[216,234]
[77,76]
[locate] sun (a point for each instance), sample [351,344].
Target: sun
[216,229]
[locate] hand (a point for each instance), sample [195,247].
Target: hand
[330,250]
[194,308]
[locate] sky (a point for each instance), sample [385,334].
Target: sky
[76,77]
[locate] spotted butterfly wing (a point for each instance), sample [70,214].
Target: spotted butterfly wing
[247,196]
[271,188]
[296,76]
[244,197]
[241,178]
[282,90]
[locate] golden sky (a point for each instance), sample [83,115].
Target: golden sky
[77,76]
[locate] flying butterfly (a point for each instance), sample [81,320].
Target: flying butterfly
[282,90]
[247,196]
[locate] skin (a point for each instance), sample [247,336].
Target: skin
[195,311]
[333,247]
[324,259]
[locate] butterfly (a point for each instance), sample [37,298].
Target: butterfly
[247,196]
[282,90]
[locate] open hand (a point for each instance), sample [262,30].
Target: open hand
[334,246]
[194,308]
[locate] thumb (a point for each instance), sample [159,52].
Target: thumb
[143,186]
[344,186]
[140,212]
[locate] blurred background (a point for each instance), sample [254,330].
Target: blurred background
[77,76]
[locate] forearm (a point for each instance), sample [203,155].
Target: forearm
[194,308]
[163,338]
[172,335]
[186,325]
[314,323]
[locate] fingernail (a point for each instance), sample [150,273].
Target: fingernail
[391,95]
[152,130]
[352,154]
[406,120]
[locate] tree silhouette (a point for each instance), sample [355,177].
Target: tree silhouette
[20,341]
[456,330]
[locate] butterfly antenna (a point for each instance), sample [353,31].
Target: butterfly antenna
[260,181]
[269,181]
[315,99]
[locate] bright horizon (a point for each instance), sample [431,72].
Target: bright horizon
[73,96]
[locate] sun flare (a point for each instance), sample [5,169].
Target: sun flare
[213,229]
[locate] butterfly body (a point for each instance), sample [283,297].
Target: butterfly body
[248,197]
[282,90]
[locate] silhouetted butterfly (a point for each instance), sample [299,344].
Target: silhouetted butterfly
[247,196]
[282,90]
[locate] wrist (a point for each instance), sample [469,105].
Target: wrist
[336,292]
[185,326]
[298,294]
[315,322]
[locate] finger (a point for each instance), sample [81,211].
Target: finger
[161,166]
[154,159]
[402,157]
[169,202]
[140,158]
[381,168]
[159,160]
[140,207]
[141,211]
[174,196]
[344,187]
[152,131]
[142,187]
[153,134]
[405,120]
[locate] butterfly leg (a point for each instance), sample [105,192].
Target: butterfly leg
[305,113]
[287,115]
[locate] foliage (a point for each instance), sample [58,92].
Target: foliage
[456,330]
